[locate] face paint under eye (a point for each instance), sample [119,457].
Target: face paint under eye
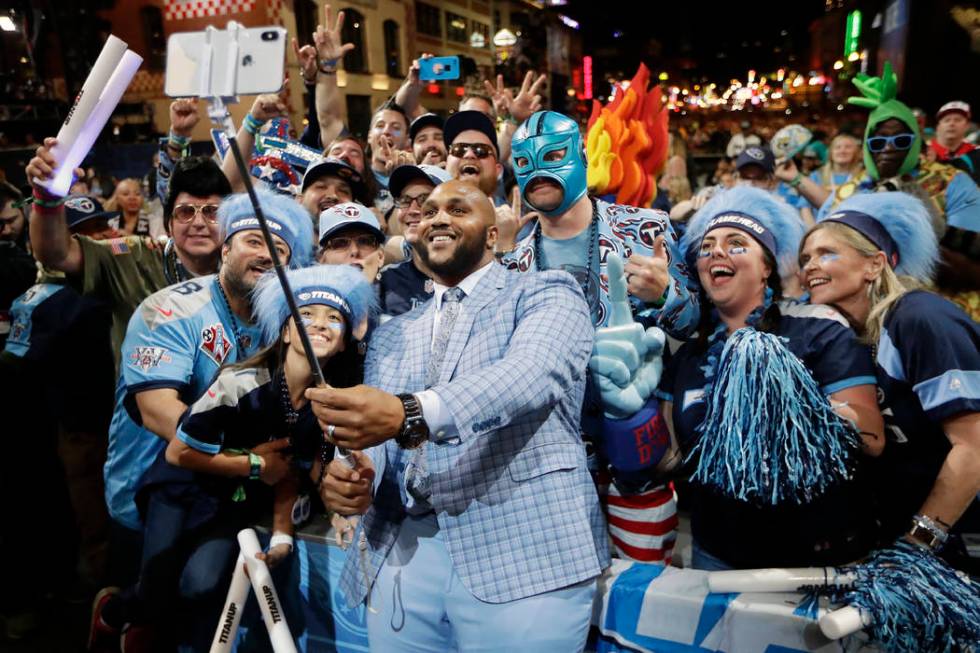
[737,250]
[829,258]
[704,253]
[336,326]
[306,320]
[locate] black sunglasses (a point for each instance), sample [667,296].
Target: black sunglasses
[481,150]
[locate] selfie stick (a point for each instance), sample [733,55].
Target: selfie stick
[95,102]
[243,172]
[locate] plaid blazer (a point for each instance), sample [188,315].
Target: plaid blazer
[514,499]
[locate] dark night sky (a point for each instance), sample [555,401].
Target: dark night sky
[689,37]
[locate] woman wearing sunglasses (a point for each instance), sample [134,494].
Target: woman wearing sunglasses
[870,258]
[892,145]
[238,448]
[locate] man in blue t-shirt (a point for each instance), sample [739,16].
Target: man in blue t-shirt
[177,340]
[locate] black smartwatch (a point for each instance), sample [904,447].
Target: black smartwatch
[414,430]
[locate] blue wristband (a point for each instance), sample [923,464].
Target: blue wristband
[252,125]
[254,466]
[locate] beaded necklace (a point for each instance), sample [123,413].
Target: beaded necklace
[242,341]
[540,263]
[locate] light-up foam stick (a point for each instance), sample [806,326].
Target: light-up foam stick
[231,616]
[105,85]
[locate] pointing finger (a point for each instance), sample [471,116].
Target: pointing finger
[621,313]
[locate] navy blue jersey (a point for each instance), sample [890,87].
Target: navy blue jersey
[833,529]
[403,287]
[240,410]
[54,331]
[928,368]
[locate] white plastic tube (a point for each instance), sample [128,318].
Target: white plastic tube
[265,592]
[775,580]
[231,616]
[843,622]
[95,102]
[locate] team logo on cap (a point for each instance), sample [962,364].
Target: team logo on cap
[352,211]
[325,295]
[253,222]
[83,204]
[755,153]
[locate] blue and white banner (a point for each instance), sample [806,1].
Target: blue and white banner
[651,608]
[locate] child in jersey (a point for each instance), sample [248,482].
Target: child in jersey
[238,447]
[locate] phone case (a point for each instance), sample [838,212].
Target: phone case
[260,65]
[435,68]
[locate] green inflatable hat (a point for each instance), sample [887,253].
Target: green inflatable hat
[878,94]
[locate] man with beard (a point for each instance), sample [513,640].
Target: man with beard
[482,529]
[176,341]
[577,234]
[892,146]
[125,271]
[427,140]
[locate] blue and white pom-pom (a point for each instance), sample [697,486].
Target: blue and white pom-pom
[913,602]
[769,435]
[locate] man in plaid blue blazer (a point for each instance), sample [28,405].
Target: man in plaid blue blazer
[482,529]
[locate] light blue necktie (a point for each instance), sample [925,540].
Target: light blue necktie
[416,474]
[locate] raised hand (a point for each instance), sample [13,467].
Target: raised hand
[306,57]
[328,40]
[499,94]
[528,99]
[648,276]
[268,106]
[626,359]
[43,165]
[510,222]
[184,116]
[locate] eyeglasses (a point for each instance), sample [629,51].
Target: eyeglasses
[481,150]
[343,242]
[898,141]
[405,201]
[185,213]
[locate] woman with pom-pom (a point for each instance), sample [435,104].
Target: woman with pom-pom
[773,402]
[237,448]
[870,258]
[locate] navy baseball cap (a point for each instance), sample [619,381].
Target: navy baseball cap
[423,121]
[404,175]
[349,214]
[81,208]
[462,121]
[756,155]
[335,168]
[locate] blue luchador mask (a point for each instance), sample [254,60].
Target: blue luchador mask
[534,149]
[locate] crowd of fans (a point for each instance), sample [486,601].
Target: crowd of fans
[146,286]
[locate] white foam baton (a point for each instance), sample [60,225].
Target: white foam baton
[834,625]
[777,580]
[95,102]
[265,592]
[231,616]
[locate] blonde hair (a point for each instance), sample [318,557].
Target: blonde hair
[112,204]
[886,289]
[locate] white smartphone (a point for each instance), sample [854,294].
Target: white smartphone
[258,65]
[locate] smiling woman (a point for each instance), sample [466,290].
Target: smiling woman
[766,376]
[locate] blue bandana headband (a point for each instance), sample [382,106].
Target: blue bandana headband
[871,229]
[748,224]
[325,296]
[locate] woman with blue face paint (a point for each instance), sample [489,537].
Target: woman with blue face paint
[870,258]
[772,402]
[241,447]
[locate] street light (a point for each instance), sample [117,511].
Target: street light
[504,38]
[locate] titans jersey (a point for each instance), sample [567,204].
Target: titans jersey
[627,230]
[928,368]
[177,338]
[745,535]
